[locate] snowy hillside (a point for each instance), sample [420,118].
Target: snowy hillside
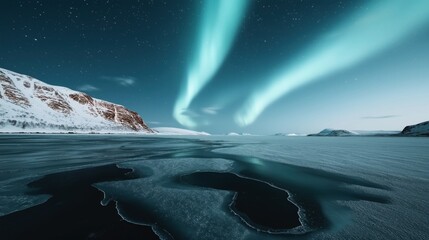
[233,134]
[30,105]
[177,131]
[239,134]
[421,129]
[334,132]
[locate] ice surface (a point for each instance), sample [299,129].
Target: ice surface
[380,194]
[184,211]
[13,196]
[400,165]
[24,158]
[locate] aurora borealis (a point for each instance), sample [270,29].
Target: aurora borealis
[220,22]
[366,33]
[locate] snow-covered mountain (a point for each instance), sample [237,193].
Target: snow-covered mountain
[176,131]
[233,134]
[239,134]
[30,105]
[421,129]
[334,132]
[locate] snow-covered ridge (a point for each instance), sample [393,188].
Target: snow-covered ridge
[30,105]
[176,131]
[238,134]
[421,129]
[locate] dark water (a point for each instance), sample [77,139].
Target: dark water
[260,204]
[74,210]
[110,187]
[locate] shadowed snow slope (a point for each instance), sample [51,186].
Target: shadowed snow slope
[421,129]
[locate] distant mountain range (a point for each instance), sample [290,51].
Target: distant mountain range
[30,105]
[421,129]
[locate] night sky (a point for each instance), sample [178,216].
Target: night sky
[140,54]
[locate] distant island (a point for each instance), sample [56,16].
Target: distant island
[333,132]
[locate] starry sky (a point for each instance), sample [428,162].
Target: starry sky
[139,53]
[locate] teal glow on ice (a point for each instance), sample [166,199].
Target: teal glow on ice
[220,22]
[375,28]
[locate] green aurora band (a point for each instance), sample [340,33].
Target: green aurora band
[220,22]
[369,31]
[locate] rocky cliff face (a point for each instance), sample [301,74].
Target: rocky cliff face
[27,104]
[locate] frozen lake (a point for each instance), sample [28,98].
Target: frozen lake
[213,187]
